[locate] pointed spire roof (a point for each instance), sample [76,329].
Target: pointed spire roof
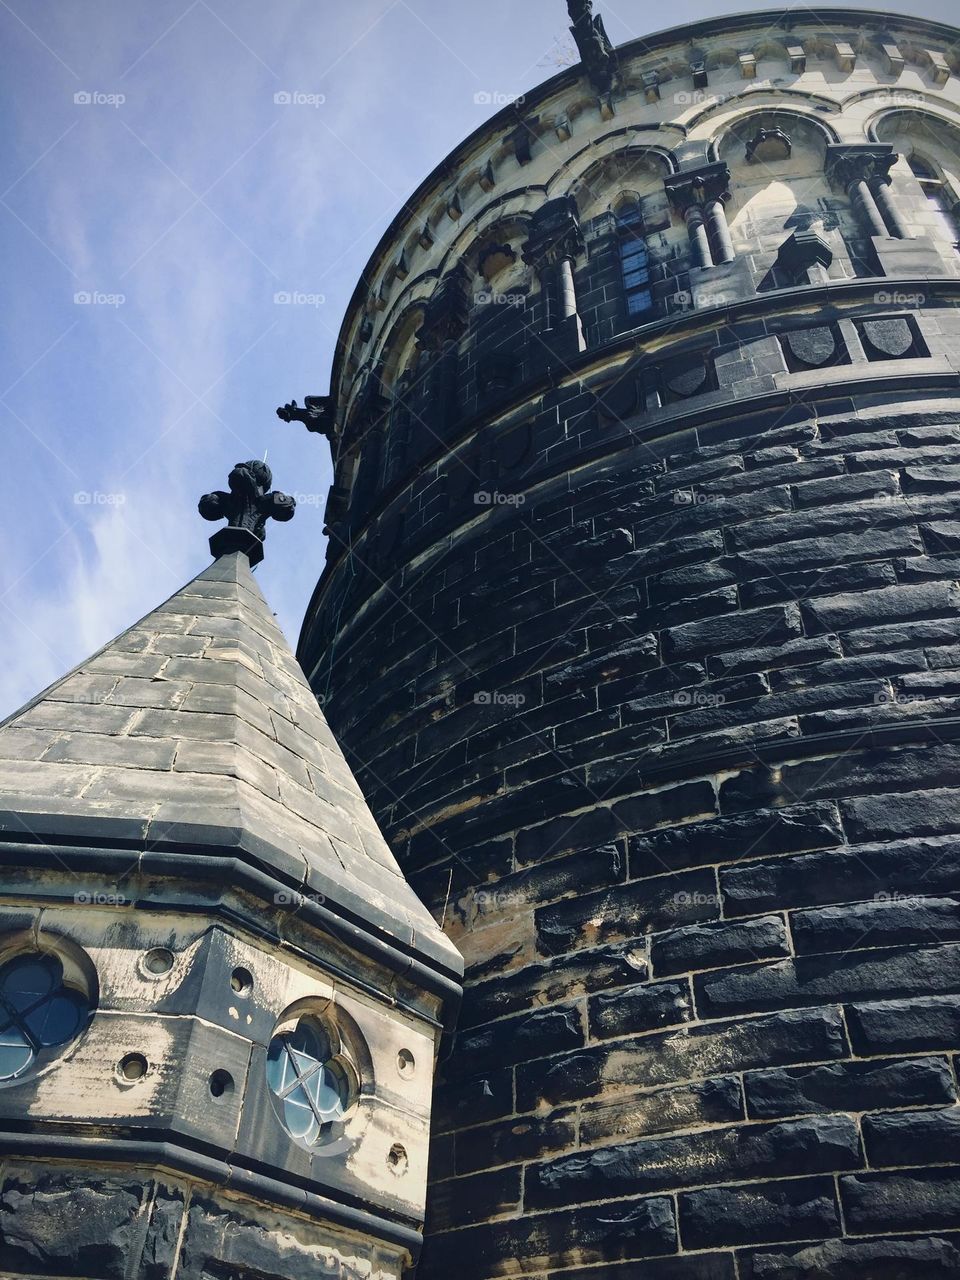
[196,730]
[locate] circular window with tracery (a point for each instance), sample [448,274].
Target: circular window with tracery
[40,1011]
[313,1079]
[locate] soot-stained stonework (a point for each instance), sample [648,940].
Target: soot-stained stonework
[639,626]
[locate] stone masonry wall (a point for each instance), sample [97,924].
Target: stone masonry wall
[671,749]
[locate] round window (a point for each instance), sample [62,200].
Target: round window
[312,1079]
[38,1011]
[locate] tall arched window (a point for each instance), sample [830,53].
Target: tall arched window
[938,196]
[634,260]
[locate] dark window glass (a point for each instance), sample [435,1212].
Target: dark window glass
[634,261]
[37,1011]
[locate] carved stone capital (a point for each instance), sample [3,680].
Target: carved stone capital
[447,312]
[697,186]
[554,233]
[849,162]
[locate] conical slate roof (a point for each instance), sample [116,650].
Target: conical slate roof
[196,728]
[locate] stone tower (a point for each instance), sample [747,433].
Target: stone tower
[219,999]
[640,628]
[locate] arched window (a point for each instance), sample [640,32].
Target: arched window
[634,260]
[938,196]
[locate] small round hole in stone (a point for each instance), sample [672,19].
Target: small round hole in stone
[158,961]
[133,1066]
[397,1160]
[406,1064]
[241,981]
[221,1084]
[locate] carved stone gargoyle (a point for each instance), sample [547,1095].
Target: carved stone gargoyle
[317,414]
[596,52]
[247,506]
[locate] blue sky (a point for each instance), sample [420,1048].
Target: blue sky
[145,165]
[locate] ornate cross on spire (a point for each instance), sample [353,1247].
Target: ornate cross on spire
[246,508]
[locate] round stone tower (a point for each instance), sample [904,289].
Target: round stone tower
[640,627]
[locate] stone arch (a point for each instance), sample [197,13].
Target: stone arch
[916,130]
[399,349]
[776,157]
[630,167]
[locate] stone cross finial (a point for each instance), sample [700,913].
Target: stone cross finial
[246,508]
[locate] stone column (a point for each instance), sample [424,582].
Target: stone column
[555,241]
[862,169]
[889,211]
[861,197]
[700,255]
[566,289]
[719,232]
[698,194]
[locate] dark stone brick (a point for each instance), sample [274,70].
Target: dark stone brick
[914,1201]
[683,1106]
[803,1209]
[672,804]
[784,1039]
[808,553]
[887,922]
[598,826]
[845,613]
[472,1101]
[907,1259]
[812,879]
[627,911]
[770,657]
[608,1233]
[644,1008]
[905,1026]
[559,978]
[854,772]
[813,1145]
[911,813]
[813,979]
[704,1266]
[759,627]
[525,1036]
[912,1137]
[768,831]
[458,1202]
[522,1138]
[35,1207]
[708,946]
[848,1086]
